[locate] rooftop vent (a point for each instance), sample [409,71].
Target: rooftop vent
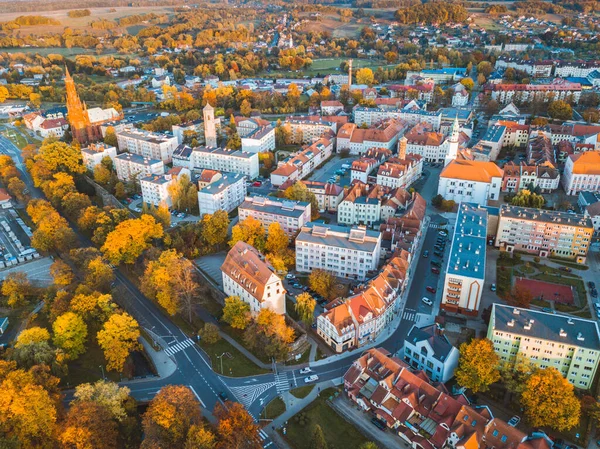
[570,321]
[562,333]
[580,336]
[516,311]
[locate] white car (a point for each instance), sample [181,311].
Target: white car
[305,370]
[443,233]
[427,301]
[310,379]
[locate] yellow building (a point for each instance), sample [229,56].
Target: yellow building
[569,344]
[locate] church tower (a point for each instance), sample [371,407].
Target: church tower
[452,143]
[210,128]
[77,113]
[402,147]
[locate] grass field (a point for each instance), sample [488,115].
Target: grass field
[236,366]
[273,409]
[15,137]
[302,392]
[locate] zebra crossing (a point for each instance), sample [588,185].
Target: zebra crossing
[409,315]
[264,438]
[247,394]
[179,347]
[281,382]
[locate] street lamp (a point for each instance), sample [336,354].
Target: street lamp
[221,357]
[102,368]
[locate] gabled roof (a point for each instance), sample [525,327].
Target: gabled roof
[479,171]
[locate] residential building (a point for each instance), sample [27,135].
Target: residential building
[291,215]
[489,146]
[225,193]
[362,168]
[470,181]
[422,140]
[548,340]
[259,140]
[185,131]
[558,89]
[582,173]
[132,166]
[423,92]
[55,127]
[460,96]
[544,232]
[426,415]
[358,141]
[361,205]
[249,277]
[225,160]
[532,67]
[400,172]
[427,349]
[247,126]
[331,107]
[544,177]
[405,232]
[329,195]
[147,144]
[208,176]
[94,153]
[355,321]
[345,252]
[578,69]
[465,271]
[307,129]
[437,76]
[515,134]
[5,199]
[592,211]
[411,114]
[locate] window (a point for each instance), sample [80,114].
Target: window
[495,433]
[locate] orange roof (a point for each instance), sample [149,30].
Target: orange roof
[587,163]
[479,171]
[4,196]
[285,170]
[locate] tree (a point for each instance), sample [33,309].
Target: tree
[199,437]
[92,306]
[305,307]
[245,108]
[102,175]
[214,228]
[365,76]
[70,333]
[98,274]
[318,439]
[162,214]
[32,335]
[184,195]
[477,365]
[3,94]
[549,400]
[120,191]
[130,239]
[110,137]
[17,188]
[236,427]
[560,110]
[209,333]
[526,198]
[322,282]
[520,296]
[437,201]
[368,445]
[107,394]
[172,281]
[249,230]
[277,239]
[16,287]
[269,333]
[61,273]
[88,425]
[60,157]
[118,338]
[170,415]
[468,83]
[38,354]
[236,312]
[514,376]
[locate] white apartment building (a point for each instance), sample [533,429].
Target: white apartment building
[559,89]
[345,252]
[155,188]
[226,160]
[412,116]
[569,344]
[575,69]
[470,181]
[361,205]
[291,215]
[400,172]
[358,141]
[303,163]
[226,193]
[331,107]
[259,140]
[465,271]
[147,144]
[307,129]
[93,154]
[253,280]
[131,166]
[582,173]
[429,350]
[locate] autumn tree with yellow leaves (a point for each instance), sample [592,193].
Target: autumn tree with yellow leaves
[70,334]
[88,425]
[478,365]
[236,427]
[251,231]
[118,338]
[236,312]
[130,239]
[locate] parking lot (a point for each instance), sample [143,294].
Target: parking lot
[329,170]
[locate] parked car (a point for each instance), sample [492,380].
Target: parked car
[444,233]
[256,184]
[378,423]
[594,293]
[514,421]
[435,270]
[223,395]
[591,284]
[493,287]
[436,263]
[289,276]
[567,269]
[310,379]
[438,253]
[427,301]
[430,289]
[548,310]
[305,370]
[426,253]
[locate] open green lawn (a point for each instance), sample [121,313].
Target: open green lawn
[338,432]
[236,366]
[273,409]
[302,392]
[15,137]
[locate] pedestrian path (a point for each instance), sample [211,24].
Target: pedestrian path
[409,315]
[264,438]
[179,347]
[282,382]
[247,394]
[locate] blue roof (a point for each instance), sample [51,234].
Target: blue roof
[582,81]
[494,133]
[467,253]
[446,71]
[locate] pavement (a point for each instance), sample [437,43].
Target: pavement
[328,170]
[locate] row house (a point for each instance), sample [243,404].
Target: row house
[423,412]
[423,92]
[355,321]
[575,133]
[361,205]
[515,134]
[400,172]
[358,140]
[540,149]
[362,168]
[558,89]
[329,195]
[405,232]
[545,176]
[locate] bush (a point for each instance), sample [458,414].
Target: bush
[536,259]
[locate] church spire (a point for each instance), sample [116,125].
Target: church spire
[76,113]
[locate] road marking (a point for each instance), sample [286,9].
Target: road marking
[197,397]
[179,347]
[409,315]
[282,382]
[247,394]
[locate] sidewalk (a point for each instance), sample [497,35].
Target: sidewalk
[162,362]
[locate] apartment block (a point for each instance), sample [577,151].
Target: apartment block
[569,344]
[307,129]
[225,160]
[253,280]
[346,252]
[544,232]
[147,144]
[582,173]
[328,195]
[259,140]
[358,141]
[559,89]
[94,153]
[225,193]
[291,215]
[465,271]
[131,166]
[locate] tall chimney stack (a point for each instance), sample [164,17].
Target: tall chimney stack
[349,74]
[402,147]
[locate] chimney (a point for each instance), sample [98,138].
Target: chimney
[402,147]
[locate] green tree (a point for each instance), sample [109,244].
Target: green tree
[305,308]
[110,138]
[70,334]
[478,365]
[526,198]
[209,333]
[299,192]
[236,312]
[108,394]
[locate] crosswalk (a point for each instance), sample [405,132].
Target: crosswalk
[247,394]
[264,438]
[409,315]
[281,382]
[179,347]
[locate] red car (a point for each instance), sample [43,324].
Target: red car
[430,289]
[257,184]
[435,270]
